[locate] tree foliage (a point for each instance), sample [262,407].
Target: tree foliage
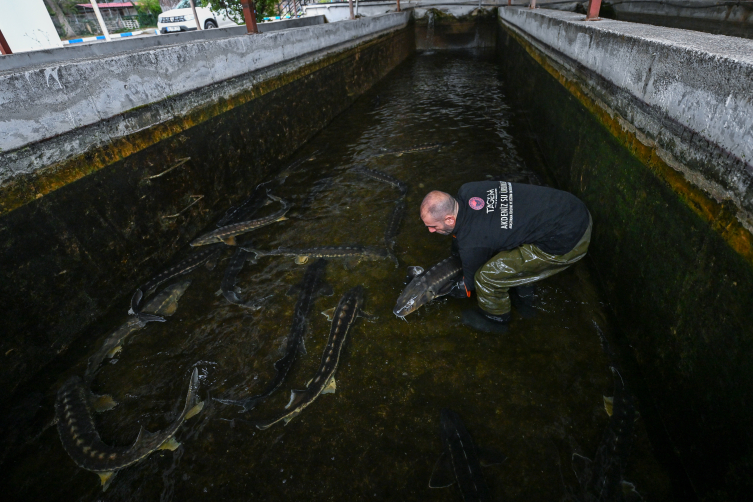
[234,10]
[150,6]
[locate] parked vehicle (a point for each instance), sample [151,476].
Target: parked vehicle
[181,18]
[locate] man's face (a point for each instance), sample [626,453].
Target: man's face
[443,226]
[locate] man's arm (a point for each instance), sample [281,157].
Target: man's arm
[473,259]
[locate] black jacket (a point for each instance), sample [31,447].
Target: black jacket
[496,216]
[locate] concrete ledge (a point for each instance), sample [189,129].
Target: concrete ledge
[684,94]
[727,12]
[44,110]
[27,60]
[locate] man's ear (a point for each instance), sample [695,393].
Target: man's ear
[449,220]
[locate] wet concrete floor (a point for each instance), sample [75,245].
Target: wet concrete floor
[535,393]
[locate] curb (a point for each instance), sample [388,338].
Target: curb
[102,37]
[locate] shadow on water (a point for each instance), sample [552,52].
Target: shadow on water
[534,394]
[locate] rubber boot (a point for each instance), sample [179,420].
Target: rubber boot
[523,299]
[486,322]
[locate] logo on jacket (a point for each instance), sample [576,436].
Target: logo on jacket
[476,203]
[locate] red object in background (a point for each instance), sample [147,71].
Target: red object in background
[249,14]
[4,47]
[594,6]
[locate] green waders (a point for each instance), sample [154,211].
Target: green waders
[519,266]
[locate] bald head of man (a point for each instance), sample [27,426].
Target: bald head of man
[439,212]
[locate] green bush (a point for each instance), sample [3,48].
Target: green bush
[234,10]
[148,7]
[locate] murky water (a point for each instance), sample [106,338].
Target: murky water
[534,394]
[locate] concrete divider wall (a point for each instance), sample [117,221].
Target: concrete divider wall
[26,60]
[50,102]
[687,92]
[227,111]
[651,127]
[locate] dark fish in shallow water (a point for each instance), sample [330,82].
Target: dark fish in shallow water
[302,255]
[228,233]
[82,442]
[229,291]
[287,171]
[344,316]
[165,303]
[601,479]
[461,461]
[309,288]
[428,285]
[317,188]
[393,228]
[246,209]
[193,261]
[383,177]
[418,148]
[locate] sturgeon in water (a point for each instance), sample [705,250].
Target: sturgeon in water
[82,442]
[428,285]
[461,460]
[309,288]
[195,260]
[229,291]
[601,479]
[383,177]
[257,200]
[426,147]
[228,233]
[165,303]
[393,228]
[344,316]
[302,255]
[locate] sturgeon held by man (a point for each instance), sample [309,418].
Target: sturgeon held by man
[428,285]
[228,233]
[302,255]
[344,316]
[461,461]
[310,287]
[82,442]
[193,261]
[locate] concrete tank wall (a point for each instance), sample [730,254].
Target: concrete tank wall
[652,127]
[82,223]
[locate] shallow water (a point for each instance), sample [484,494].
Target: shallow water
[534,394]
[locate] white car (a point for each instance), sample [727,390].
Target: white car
[181,18]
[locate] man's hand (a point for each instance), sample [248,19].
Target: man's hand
[459,290]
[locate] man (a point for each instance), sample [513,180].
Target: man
[508,235]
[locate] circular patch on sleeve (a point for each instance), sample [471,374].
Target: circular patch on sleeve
[476,203]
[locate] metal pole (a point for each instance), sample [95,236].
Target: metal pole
[195,16]
[249,14]
[350,2]
[100,20]
[4,47]
[592,13]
